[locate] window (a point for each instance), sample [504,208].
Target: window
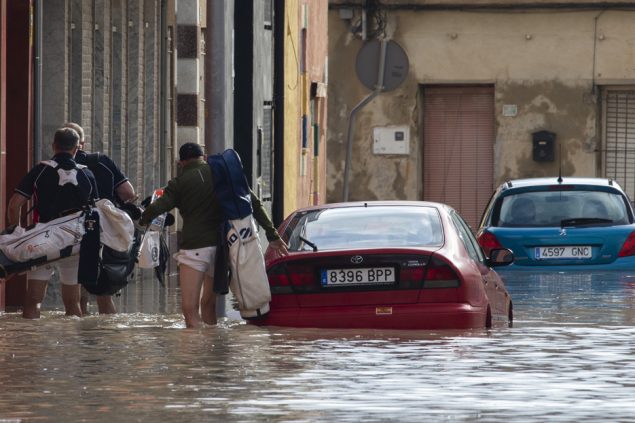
[377,226]
[465,234]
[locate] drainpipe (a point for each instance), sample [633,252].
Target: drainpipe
[349,138]
[277,206]
[37,112]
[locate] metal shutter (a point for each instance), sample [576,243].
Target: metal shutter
[458,148]
[619,138]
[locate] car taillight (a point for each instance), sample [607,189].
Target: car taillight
[488,242]
[278,276]
[414,274]
[439,274]
[411,277]
[282,275]
[628,249]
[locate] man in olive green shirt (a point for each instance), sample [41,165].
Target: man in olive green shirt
[192,194]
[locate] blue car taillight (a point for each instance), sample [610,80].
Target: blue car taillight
[439,274]
[628,249]
[488,242]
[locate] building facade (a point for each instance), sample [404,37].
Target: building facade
[143,77]
[305,105]
[494,90]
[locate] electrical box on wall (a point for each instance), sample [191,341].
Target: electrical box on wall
[391,140]
[544,144]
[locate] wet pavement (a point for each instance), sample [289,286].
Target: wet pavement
[568,357]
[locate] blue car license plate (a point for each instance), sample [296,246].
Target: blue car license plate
[564,252]
[358,276]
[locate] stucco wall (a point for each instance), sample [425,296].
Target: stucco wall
[300,176]
[292,106]
[544,62]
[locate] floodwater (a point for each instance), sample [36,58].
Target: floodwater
[570,357]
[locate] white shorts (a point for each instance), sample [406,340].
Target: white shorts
[66,269]
[201,259]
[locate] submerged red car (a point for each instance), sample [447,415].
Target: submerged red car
[384,265]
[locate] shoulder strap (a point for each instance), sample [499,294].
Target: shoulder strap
[52,163]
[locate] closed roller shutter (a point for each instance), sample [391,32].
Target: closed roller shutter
[458,148]
[619,138]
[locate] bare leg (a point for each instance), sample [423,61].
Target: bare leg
[83,301]
[70,296]
[105,304]
[208,301]
[191,281]
[35,292]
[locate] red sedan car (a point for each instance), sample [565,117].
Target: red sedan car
[384,265]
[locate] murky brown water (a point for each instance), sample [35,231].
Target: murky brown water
[569,357]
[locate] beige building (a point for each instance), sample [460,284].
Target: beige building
[305,73]
[494,90]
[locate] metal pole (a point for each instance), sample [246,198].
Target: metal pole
[37,118]
[349,137]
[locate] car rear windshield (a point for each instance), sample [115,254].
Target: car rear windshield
[367,227]
[551,208]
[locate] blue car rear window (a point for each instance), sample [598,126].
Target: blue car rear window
[368,227]
[550,208]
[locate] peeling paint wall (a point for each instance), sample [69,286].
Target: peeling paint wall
[549,64]
[567,110]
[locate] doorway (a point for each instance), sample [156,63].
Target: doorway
[458,140]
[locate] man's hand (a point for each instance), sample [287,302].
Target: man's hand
[279,248]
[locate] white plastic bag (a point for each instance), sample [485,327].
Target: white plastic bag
[149,251]
[117,228]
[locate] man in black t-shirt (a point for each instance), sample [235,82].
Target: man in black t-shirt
[58,187]
[114,186]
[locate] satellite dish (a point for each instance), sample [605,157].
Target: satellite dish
[395,65]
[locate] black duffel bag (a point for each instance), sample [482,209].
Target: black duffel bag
[115,268]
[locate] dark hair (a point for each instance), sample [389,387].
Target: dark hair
[190,150]
[76,127]
[66,139]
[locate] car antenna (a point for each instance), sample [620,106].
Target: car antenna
[560,165]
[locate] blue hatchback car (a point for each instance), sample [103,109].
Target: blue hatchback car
[561,224]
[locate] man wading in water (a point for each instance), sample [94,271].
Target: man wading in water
[193,194]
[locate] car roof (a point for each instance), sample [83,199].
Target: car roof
[566,180]
[374,204]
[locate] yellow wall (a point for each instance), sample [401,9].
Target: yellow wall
[304,174]
[292,105]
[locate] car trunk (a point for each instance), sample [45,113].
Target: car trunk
[563,246]
[373,277]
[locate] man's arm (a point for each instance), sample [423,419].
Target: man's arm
[16,202]
[122,186]
[125,192]
[262,217]
[163,204]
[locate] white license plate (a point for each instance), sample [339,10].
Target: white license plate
[564,252]
[358,276]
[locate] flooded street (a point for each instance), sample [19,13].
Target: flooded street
[570,356]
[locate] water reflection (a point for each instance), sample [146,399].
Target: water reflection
[568,358]
[575,297]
